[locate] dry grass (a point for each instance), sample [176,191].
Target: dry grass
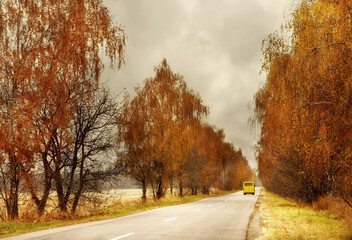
[335,206]
[90,204]
[283,219]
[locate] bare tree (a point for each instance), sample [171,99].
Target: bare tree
[89,160]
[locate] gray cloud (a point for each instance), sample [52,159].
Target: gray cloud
[214,44]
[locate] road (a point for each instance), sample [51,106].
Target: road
[224,217]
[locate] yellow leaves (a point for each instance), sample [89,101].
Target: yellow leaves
[305,104]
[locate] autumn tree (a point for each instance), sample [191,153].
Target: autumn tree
[234,168]
[211,144]
[49,53]
[213,162]
[165,138]
[305,106]
[162,110]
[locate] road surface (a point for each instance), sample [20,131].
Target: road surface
[224,217]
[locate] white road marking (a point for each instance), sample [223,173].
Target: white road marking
[170,219]
[123,236]
[196,210]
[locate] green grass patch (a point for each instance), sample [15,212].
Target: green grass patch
[284,219]
[8,229]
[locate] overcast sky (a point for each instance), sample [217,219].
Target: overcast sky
[214,44]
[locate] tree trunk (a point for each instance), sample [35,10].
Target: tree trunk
[144,192]
[70,183]
[41,203]
[171,185]
[205,190]
[12,208]
[194,190]
[12,201]
[60,191]
[160,191]
[76,198]
[154,196]
[180,185]
[41,208]
[82,180]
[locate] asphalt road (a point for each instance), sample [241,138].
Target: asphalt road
[225,217]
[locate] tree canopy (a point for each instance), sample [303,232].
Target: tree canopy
[167,140]
[50,58]
[304,108]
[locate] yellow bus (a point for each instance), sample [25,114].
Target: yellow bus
[248,187]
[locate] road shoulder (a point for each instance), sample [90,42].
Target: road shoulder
[277,218]
[254,227]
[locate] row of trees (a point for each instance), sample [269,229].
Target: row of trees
[167,142]
[304,108]
[61,132]
[54,119]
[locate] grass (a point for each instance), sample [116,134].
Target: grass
[283,219]
[8,229]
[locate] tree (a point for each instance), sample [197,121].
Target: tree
[235,169]
[89,160]
[305,106]
[165,138]
[212,162]
[161,111]
[49,52]
[211,143]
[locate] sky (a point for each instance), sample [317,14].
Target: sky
[214,44]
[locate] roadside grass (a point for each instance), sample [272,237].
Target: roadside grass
[283,219]
[13,228]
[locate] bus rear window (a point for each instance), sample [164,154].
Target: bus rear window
[248,184]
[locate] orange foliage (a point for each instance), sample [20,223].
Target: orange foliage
[165,138]
[304,108]
[49,58]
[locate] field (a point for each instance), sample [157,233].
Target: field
[90,203]
[129,194]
